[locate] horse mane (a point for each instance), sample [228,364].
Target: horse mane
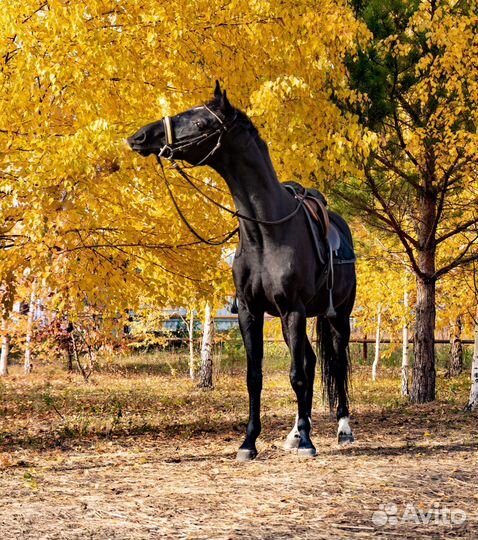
[241,118]
[246,122]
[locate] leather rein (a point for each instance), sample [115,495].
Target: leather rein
[172,145]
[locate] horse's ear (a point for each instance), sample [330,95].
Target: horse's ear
[224,104]
[217,90]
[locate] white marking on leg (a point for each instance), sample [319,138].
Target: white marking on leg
[344,426]
[292,440]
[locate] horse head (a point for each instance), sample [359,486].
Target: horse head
[192,135]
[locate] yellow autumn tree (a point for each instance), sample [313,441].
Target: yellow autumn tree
[91,220]
[77,209]
[88,218]
[383,277]
[418,79]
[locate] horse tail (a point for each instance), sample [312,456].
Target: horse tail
[334,361]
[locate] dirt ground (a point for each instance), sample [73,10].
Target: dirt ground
[410,474]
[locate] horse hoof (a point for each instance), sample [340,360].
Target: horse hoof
[308,452]
[246,454]
[292,443]
[345,438]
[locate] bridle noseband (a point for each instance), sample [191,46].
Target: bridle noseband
[172,145]
[168,130]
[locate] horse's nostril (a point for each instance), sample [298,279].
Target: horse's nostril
[137,139]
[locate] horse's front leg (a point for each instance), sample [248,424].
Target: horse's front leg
[251,326]
[294,328]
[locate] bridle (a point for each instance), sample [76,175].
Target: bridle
[173,145]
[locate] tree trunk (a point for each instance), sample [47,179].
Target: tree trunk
[405,388]
[28,339]
[205,376]
[5,349]
[69,346]
[473,401]
[191,344]
[69,357]
[365,349]
[424,376]
[377,344]
[456,358]
[86,374]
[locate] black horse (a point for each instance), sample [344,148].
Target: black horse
[276,266]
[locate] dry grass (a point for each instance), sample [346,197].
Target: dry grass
[141,454]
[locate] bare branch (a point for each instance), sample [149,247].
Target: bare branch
[403,145]
[461,228]
[405,239]
[397,170]
[459,261]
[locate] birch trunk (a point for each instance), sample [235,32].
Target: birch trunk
[28,338]
[377,344]
[473,401]
[405,389]
[191,345]
[205,376]
[5,349]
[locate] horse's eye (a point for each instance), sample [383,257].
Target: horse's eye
[200,123]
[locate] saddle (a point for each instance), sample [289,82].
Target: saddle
[319,213]
[327,250]
[315,204]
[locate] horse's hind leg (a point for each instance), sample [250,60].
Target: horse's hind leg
[251,326]
[294,329]
[310,363]
[292,440]
[340,339]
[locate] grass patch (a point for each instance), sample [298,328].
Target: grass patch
[151,394]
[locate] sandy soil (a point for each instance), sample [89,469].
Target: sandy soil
[147,486]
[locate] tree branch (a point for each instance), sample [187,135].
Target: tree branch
[459,261]
[394,168]
[405,239]
[409,109]
[461,228]
[438,214]
[388,211]
[403,144]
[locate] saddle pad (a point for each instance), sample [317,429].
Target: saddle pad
[334,238]
[345,253]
